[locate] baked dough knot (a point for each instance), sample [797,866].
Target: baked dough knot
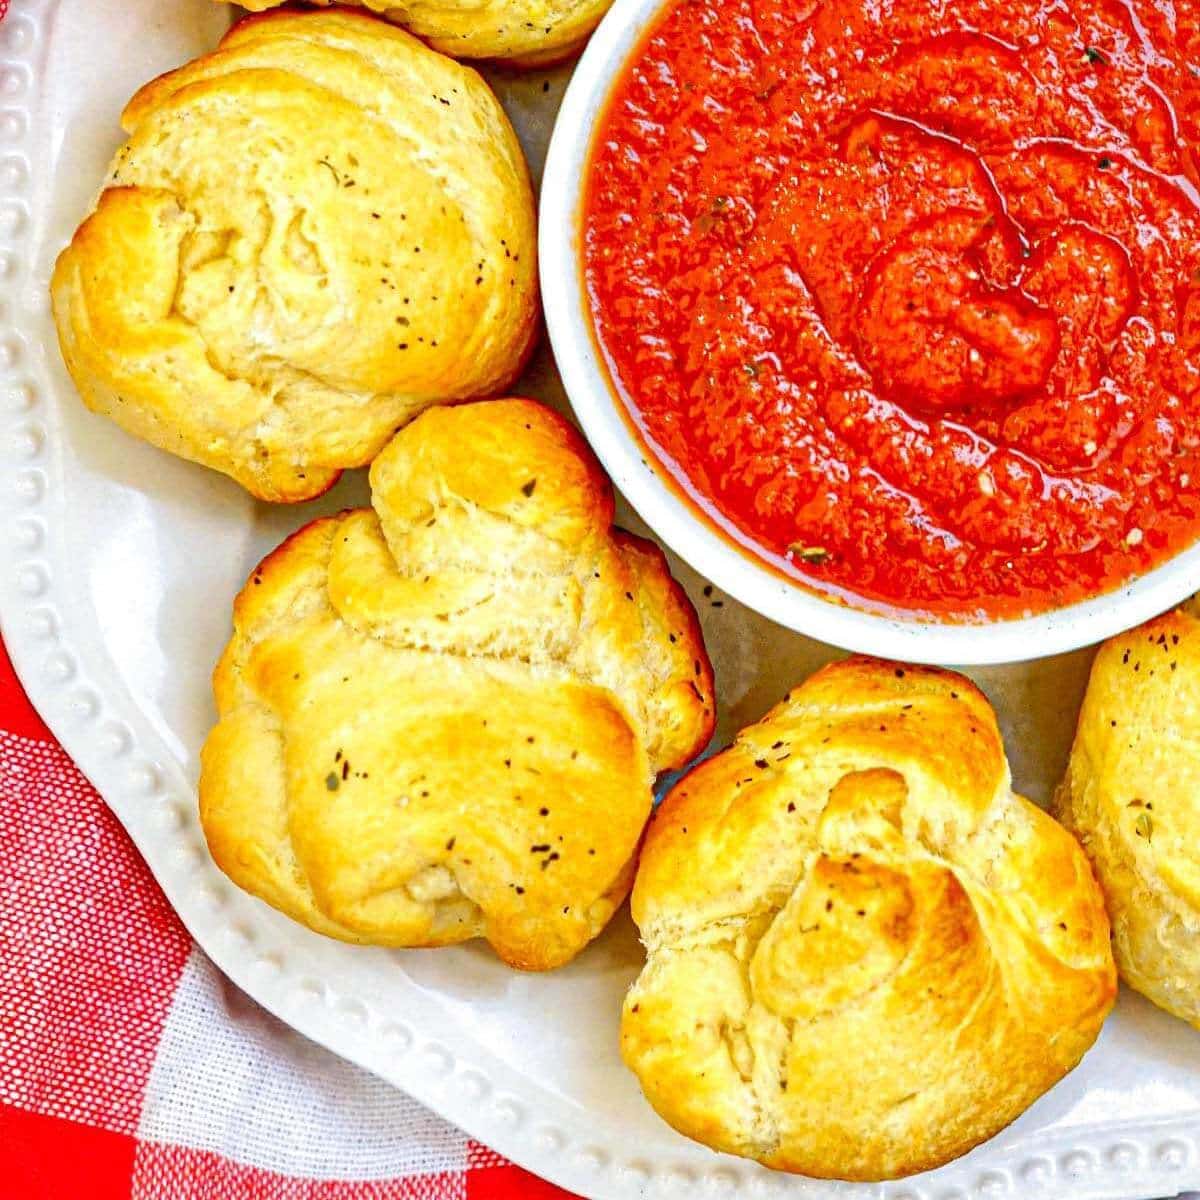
[1131,795]
[312,234]
[865,953]
[520,33]
[440,718]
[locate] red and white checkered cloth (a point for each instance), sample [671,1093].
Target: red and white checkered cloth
[131,1069]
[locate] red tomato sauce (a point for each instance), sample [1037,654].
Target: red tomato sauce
[906,293]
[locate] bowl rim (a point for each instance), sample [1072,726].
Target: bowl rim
[697,539]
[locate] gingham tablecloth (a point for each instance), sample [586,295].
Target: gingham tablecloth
[131,1069]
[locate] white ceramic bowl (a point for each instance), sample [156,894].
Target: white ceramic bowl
[738,571]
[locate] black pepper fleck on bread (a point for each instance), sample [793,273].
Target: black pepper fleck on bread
[865,953]
[440,719]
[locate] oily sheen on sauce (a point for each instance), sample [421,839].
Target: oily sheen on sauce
[908,293]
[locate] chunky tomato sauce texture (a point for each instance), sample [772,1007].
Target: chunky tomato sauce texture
[907,292]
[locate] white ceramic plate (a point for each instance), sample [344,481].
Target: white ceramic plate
[117,566]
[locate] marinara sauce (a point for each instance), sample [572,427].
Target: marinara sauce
[907,292]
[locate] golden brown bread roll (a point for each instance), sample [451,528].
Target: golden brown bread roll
[441,719]
[1132,796]
[524,33]
[865,953]
[312,234]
